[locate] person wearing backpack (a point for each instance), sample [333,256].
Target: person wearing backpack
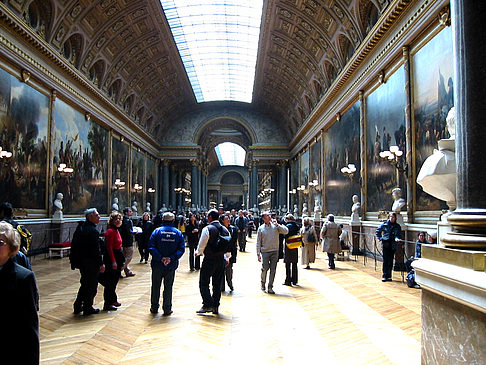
[213,245]
[6,214]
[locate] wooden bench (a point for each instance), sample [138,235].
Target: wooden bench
[60,249]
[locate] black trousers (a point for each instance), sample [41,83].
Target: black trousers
[212,270]
[143,250]
[388,254]
[330,257]
[109,279]
[89,286]
[291,273]
[194,262]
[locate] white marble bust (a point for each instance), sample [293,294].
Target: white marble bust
[147,207]
[355,209]
[58,206]
[115,206]
[305,210]
[164,208]
[398,201]
[296,210]
[437,176]
[284,209]
[135,208]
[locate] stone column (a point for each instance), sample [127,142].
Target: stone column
[194,183]
[469,219]
[283,184]
[180,184]
[204,189]
[254,184]
[165,182]
[172,186]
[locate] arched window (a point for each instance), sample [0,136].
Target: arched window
[72,48]
[347,48]
[96,72]
[38,16]
[230,154]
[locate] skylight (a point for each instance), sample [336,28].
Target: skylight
[218,42]
[230,154]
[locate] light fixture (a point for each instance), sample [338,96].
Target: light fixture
[394,157]
[63,169]
[5,154]
[137,187]
[349,172]
[119,184]
[151,190]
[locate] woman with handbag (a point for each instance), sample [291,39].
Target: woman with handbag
[330,233]
[309,242]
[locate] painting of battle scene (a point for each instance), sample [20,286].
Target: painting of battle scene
[304,180]
[342,147]
[24,120]
[79,144]
[294,184]
[150,185]
[315,172]
[120,166]
[385,128]
[138,172]
[433,96]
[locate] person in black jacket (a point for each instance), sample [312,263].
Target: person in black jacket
[291,256]
[19,304]
[233,250]
[389,233]
[126,233]
[143,238]
[192,234]
[86,256]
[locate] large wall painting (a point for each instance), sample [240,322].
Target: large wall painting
[315,172]
[24,120]
[150,185]
[342,147]
[138,173]
[433,95]
[385,128]
[120,167]
[294,184]
[304,180]
[79,144]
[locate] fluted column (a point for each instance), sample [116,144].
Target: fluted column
[165,182]
[204,190]
[194,183]
[254,184]
[469,219]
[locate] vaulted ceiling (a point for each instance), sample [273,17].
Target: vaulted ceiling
[125,48]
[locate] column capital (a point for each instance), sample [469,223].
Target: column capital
[164,162]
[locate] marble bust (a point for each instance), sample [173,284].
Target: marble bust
[317,209]
[115,206]
[398,201]
[355,209]
[305,210]
[164,208]
[437,176]
[135,208]
[284,209]
[58,206]
[255,209]
[147,207]
[296,210]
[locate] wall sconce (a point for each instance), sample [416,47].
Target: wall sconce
[182,191]
[314,184]
[394,157]
[137,187]
[302,189]
[349,172]
[5,154]
[87,116]
[119,184]
[293,191]
[150,190]
[63,169]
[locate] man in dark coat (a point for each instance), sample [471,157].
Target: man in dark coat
[19,335]
[86,256]
[291,255]
[242,224]
[212,268]
[233,250]
[389,233]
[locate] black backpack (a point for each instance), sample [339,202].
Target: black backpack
[220,245]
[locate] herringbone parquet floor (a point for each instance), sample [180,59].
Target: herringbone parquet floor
[345,316]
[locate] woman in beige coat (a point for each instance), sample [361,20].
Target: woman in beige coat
[309,240]
[330,233]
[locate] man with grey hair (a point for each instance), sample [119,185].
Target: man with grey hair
[267,248]
[166,244]
[86,256]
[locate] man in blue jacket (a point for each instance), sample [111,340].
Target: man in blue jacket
[389,233]
[166,245]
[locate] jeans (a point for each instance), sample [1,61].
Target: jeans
[242,240]
[269,261]
[212,269]
[168,276]
[228,274]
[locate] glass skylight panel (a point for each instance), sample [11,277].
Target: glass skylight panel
[230,154]
[218,43]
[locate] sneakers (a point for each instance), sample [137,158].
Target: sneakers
[386,279]
[204,310]
[270,291]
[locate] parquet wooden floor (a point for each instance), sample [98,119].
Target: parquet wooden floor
[345,316]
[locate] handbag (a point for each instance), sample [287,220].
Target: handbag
[294,241]
[311,238]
